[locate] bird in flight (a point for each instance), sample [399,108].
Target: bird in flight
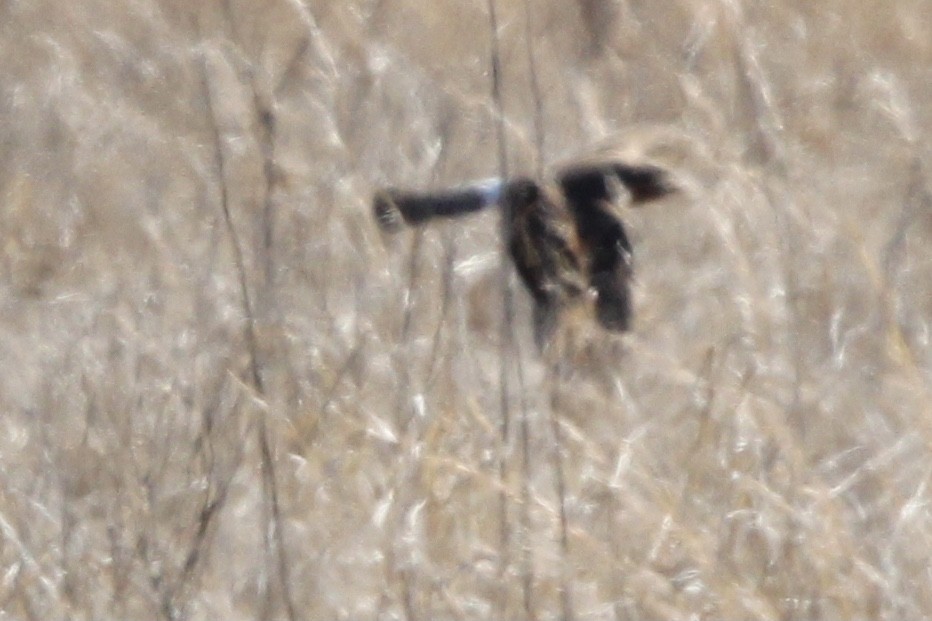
[566,242]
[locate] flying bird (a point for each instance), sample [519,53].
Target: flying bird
[566,242]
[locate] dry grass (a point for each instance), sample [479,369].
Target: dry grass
[226,396]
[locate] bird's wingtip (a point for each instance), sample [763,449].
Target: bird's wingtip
[386,211]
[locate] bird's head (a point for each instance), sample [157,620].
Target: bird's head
[521,193]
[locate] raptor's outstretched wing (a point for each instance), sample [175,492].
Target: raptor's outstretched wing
[393,207]
[588,191]
[602,235]
[593,182]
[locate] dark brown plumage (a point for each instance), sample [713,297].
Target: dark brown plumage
[564,238]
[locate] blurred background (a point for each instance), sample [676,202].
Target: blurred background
[226,395]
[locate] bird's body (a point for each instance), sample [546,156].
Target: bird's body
[544,243]
[567,244]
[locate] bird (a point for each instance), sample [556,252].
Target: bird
[565,240]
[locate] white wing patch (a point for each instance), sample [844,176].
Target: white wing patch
[491,190]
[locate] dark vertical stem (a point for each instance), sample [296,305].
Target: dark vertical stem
[539,135]
[566,602]
[449,261]
[496,67]
[221,170]
[273,535]
[527,565]
[507,308]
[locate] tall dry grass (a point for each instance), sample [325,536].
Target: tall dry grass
[224,395]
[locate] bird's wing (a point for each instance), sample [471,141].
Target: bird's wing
[608,259]
[613,298]
[392,207]
[588,189]
[610,264]
[593,181]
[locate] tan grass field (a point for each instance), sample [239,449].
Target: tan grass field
[225,395]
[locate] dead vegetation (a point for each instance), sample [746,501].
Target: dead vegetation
[226,396]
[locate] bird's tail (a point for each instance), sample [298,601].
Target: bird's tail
[393,208]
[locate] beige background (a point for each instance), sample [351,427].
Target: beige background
[225,395]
